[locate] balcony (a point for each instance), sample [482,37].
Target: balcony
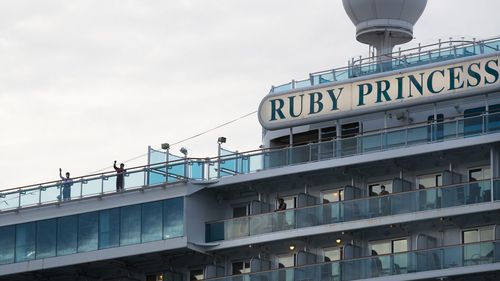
[353,210]
[207,169]
[451,257]
[439,52]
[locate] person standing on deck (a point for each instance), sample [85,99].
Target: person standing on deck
[120,176]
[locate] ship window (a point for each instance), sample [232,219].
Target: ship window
[426,181]
[375,189]
[287,260]
[333,195]
[350,130]
[196,274]
[241,267]
[473,253]
[281,141]
[473,123]
[494,117]
[435,127]
[305,137]
[290,201]
[241,211]
[477,174]
[328,134]
[332,254]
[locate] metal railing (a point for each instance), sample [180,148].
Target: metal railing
[357,209]
[421,55]
[455,256]
[185,169]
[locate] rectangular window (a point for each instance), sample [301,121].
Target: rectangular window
[25,241]
[435,127]
[7,243]
[87,231]
[330,196]
[196,274]
[241,267]
[66,235]
[241,211]
[130,224]
[109,228]
[152,229]
[287,260]
[332,254]
[173,216]
[432,180]
[328,134]
[479,174]
[481,234]
[46,238]
[473,122]
[381,188]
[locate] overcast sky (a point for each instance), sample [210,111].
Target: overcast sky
[83,83]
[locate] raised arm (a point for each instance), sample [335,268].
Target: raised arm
[60,174]
[114,166]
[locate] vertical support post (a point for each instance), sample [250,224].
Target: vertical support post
[146,171]
[493,173]
[40,195]
[19,198]
[218,159]
[102,184]
[167,155]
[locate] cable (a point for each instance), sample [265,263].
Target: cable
[183,140]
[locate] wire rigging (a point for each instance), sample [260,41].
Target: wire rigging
[183,140]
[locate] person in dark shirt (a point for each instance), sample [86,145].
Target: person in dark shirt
[120,176]
[281,204]
[66,186]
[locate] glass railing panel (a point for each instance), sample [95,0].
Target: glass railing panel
[74,191]
[261,224]
[9,200]
[395,139]
[473,125]
[372,142]
[284,220]
[109,183]
[176,171]
[325,150]
[282,88]
[496,190]
[306,217]
[135,179]
[325,78]
[331,213]
[302,83]
[197,170]
[30,197]
[300,154]
[451,130]
[91,187]
[358,209]
[348,146]
[255,162]
[50,193]
[493,122]
[342,75]
[400,203]
[452,196]
[228,166]
[418,135]
[427,199]
[276,158]
[236,228]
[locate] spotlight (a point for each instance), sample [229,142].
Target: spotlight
[291,247]
[221,140]
[338,240]
[165,146]
[184,151]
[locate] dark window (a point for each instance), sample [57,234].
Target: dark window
[305,137]
[328,134]
[281,141]
[241,211]
[473,123]
[350,130]
[435,127]
[494,117]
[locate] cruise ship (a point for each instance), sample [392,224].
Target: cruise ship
[384,169]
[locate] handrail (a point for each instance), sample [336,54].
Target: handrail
[357,200]
[401,57]
[236,155]
[492,242]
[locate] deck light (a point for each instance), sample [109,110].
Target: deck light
[184,151]
[291,247]
[338,240]
[221,140]
[165,146]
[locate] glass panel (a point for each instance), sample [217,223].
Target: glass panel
[91,187]
[395,138]
[173,217]
[372,142]
[109,183]
[134,179]
[9,200]
[25,241]
[130,222]
[236,228]
[88,231]
[7,244]
[66,235]
[46,238]
[49,193]
[152,221]
[109,228]
[30,197]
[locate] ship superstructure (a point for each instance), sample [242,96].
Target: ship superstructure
[386,169]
